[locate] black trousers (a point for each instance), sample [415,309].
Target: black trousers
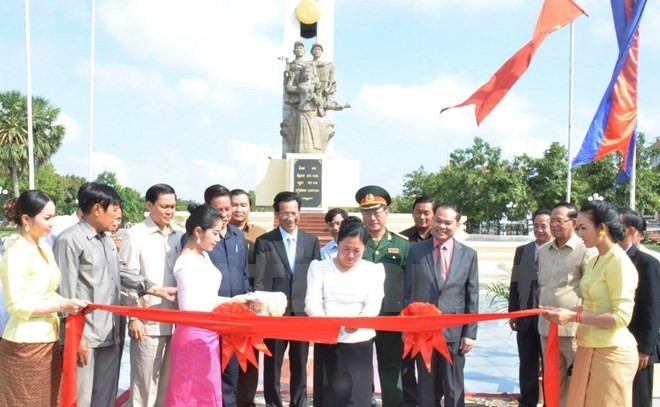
[298,352]
[643,387]
[443,379]
[529,353]
[230,382]
[343,374]
[409,381]
[247,385]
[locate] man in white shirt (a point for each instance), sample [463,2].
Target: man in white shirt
[151,248]
[333,220]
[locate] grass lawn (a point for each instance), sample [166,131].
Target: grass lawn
[7,232]
[655,247]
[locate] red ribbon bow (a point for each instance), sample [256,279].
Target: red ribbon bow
[424,341]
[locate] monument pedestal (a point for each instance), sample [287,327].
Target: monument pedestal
[321,181]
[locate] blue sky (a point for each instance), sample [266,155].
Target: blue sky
[189,92]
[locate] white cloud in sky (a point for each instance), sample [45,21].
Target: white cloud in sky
[426,6]
[248,154]
[215,172]
[226,41]
[650,25]
[204,121]
[102,161]
[72,127]
[648,122]
[414,111]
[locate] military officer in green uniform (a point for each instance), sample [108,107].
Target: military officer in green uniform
[391,250]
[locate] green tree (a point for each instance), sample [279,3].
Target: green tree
[63,189]
[478,181]
[47,135]
[600,176]
[545,176]
[108,178]
[182,204]
[69,203]
[133,203]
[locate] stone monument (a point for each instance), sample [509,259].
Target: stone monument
[307,166]
[309,87]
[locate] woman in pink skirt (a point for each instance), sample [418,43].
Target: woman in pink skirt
[195,375]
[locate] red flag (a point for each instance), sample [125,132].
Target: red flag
[554,15]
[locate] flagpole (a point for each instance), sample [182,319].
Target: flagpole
[570,114]
[633,176]
[28,72]
[91,95]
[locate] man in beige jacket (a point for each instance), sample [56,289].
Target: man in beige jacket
[561,266]
[151,248]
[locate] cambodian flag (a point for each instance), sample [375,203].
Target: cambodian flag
[614,127]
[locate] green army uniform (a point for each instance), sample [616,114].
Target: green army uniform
[391,251]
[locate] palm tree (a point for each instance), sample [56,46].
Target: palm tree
[14,134]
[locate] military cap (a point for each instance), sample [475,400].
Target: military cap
[372,196]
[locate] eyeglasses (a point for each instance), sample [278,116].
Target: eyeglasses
[287,214]
[558,221]
[372,212]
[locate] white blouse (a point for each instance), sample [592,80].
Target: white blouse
[357,292]
[198,281]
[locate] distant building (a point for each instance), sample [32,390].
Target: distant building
[655,161]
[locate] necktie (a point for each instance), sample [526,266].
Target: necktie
[291,252]
[440,267]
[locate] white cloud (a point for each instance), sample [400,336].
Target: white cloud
[208,92]
[73,129]
[204,121]
[227,41]
[650,25]
[414,111]
[102,161]
[249,154]
[431,6]
[648,122]
[120,78]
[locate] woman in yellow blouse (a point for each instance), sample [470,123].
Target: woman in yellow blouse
[29,351]
[606,358]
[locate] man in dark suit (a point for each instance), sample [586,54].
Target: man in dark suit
[522,295]
[645,320]
[283,256]
[230,257]
[444,272]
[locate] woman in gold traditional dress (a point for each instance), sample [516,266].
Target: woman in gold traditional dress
[606,358]
[29,351]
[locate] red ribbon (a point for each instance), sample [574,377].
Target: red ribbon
[239,344]
[424,342]
[242,332]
